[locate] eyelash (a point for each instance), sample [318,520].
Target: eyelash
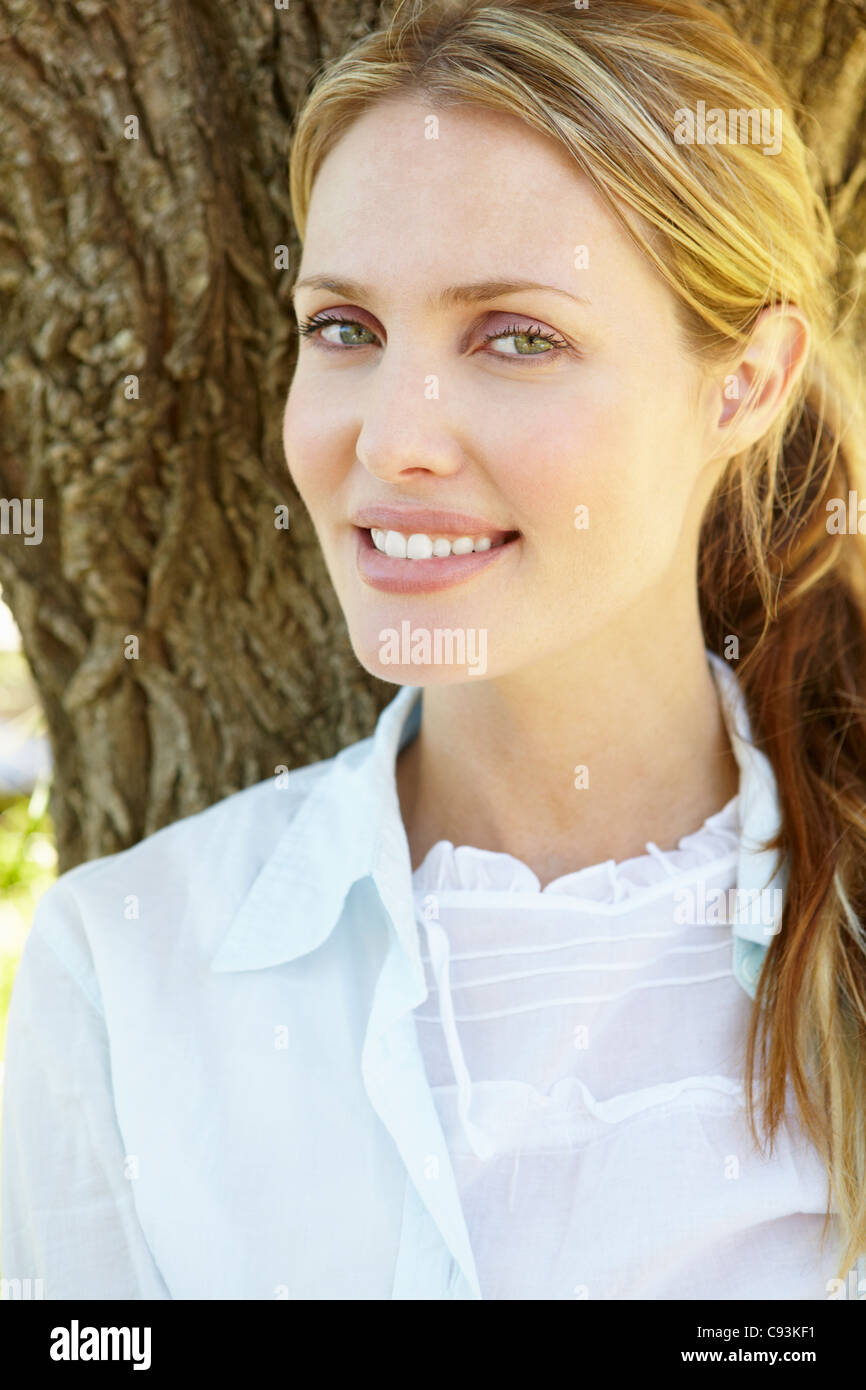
[309,327]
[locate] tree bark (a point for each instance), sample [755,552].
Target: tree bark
[145,355]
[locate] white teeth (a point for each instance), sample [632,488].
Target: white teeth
[419,546]
[395,545]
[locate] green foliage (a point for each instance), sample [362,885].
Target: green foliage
[28,865]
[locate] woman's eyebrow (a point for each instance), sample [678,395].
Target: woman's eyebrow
[476,292]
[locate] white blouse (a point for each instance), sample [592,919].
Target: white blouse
[585,1044]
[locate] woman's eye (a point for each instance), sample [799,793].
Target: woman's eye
[347,334]
[528,342]
[532,342]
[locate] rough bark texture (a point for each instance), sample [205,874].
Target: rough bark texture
[154,257]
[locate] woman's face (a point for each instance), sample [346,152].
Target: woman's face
[564,414]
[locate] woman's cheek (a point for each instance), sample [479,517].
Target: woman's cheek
[301,445]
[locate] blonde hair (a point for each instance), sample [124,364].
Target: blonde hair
[732,230]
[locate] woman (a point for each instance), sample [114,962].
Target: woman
[473,1010]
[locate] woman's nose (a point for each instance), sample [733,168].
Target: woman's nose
[407,426]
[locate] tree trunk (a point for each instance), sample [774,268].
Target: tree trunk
[183,644]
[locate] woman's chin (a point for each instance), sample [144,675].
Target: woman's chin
[419,673]
[426,649]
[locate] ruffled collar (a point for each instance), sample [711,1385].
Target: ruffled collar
[465,868]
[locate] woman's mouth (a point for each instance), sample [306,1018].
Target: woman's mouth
[416,562]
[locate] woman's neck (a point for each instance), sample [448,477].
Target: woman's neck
[564,770]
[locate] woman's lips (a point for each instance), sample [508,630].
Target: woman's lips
[397,576]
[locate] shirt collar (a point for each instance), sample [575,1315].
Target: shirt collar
[349,826]
[759,868]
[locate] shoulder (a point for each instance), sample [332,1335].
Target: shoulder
[190,876]
[243,825]
[240,830]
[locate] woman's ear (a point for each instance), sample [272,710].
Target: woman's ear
[756,391]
